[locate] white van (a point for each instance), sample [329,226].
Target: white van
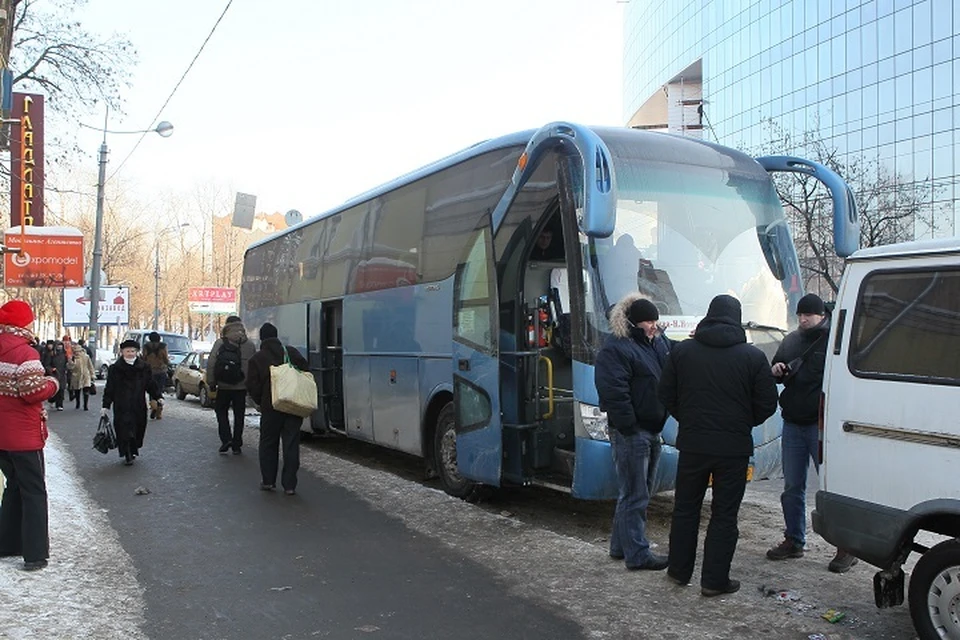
[891,425]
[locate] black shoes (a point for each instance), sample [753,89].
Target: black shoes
[652,563]
[677,581]
[267,487]
[34,565]
[289,492]
[786,549]
[237,451]
[732,587]
[224,448]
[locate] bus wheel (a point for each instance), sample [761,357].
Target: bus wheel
[935,592]
[445,459]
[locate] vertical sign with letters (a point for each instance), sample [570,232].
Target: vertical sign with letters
[26,165]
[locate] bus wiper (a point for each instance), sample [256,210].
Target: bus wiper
[754,326]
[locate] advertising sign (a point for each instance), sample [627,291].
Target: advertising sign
[26,160]
[50,257]
[114,305]
[212,300]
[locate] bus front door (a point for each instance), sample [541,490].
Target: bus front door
[476,362]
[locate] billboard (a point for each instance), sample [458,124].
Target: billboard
[50,257]
[26,160]
[114,305]
[212,299]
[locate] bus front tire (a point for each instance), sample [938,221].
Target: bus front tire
[445,459]
[933,592]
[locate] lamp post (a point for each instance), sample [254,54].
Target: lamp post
[156,275]
[165,129]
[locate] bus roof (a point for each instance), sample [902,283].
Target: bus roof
[913,248]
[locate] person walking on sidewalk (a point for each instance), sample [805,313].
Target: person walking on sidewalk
[57,367]
[798,364]
[129,381]
[23,433]
[156,357]
[628,368]
[275,425]
[81,376]
[719,388]
[226,372]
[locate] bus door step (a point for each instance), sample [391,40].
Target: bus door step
[526,448]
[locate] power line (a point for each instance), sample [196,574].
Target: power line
[174,91]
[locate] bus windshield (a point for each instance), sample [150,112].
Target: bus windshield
[685,233]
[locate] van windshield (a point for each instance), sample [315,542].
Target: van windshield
[177,344]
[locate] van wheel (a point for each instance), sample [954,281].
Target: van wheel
[445,459]
[935,592]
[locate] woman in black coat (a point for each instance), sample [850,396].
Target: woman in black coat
[129,379]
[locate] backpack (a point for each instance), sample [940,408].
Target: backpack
[228,369]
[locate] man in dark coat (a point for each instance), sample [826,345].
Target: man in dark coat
[628,369]
[129,381]
[719,388]
[230,394]
[798,364]
[56,364]
[275,425]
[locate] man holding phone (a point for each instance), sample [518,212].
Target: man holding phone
[798,365]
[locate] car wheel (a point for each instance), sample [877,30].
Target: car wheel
[935,592]
[102,373]
[181,394]
[204,396]
[445,459]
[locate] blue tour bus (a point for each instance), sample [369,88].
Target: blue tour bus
[455,312]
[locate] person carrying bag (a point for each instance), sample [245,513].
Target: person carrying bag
[282,398]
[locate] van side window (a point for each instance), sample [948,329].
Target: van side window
[906,326]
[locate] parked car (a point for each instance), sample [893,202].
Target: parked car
[105,358]
[178,345]
[189,378]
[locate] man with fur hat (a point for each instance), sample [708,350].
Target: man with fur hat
[23,433]
[628,368]
[129,381]
[156,357]
[798,365]
[275,425]
[719,388]
[233,351]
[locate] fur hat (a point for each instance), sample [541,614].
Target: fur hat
[811,303]
[16,313]
[232,319]
[153,336]
[642,310]
[268,331]
[130,344]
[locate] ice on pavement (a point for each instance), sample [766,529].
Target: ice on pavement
[89,589]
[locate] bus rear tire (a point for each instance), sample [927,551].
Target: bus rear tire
[445,459]
[934,595]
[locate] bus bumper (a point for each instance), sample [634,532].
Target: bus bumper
[594,476]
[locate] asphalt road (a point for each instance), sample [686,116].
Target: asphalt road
[218,558]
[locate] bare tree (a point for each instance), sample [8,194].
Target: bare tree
[892,207]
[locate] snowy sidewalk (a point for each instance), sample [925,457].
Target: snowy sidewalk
[89,589]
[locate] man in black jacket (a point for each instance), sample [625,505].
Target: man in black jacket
[719,388]
[798,364]
[275,425]
[627,371]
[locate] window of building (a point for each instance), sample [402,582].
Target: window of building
[906,326]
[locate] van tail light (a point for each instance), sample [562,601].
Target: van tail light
[823,398]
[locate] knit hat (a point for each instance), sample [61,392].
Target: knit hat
[268,331]
[727,307]
[232,319]
[642,310]
[16,313]
[153,336]
[130,344]
[811,303]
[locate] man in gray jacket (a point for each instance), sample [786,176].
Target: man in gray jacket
[226,373]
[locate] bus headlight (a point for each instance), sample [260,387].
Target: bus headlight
[594,422]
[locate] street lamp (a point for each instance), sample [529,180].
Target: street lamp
[165,129]
[156,274]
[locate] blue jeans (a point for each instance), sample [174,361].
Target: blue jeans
[800,444]
[635,458]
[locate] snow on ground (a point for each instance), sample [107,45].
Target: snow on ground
[89,590]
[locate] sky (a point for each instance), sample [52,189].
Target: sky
[306,103]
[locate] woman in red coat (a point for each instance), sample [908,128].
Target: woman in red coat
[23,432]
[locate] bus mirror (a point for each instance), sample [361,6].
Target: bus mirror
[846,222]
[599,195]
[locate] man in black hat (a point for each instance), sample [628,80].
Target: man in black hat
[627,370]
[719,388]
[798,365]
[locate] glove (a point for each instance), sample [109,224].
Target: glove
[104,413]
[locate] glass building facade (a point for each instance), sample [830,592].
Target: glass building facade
[877,79]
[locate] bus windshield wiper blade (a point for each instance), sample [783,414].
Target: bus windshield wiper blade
[762,327]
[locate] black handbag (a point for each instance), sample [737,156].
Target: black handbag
[105,438]
[93,389]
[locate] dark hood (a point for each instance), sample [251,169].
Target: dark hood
[274,347]
[722,326]
[235,332]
